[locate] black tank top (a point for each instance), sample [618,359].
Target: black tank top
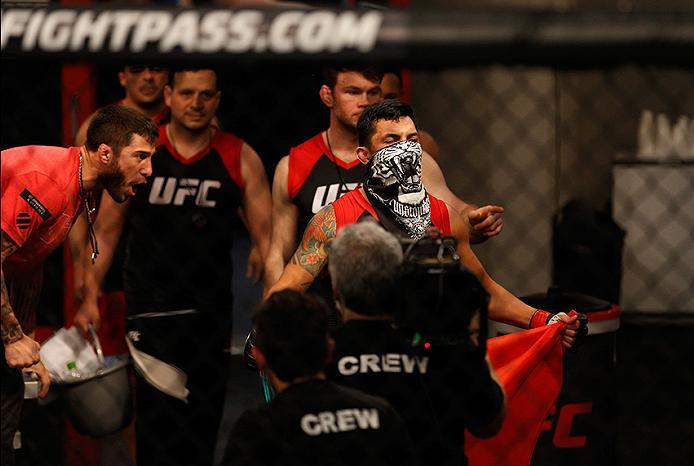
[316,178]
[178,252]
[113,281]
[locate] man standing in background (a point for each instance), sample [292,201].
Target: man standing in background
[392,87]
[144,92]
[326,167]
[177,270]
[394,195]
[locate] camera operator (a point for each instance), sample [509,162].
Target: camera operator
[311,420]
[440,382]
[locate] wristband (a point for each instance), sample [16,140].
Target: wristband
[539,318]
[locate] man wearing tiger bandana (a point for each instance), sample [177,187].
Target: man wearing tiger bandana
[393,194]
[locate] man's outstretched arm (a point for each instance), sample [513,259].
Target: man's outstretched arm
[484,222]
[503,305]
[311,255]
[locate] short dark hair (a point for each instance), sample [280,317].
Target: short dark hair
[292,332]
[372,73]
[115,124]
[174,71]
[389,110]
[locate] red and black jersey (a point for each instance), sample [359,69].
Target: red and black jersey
[162,117]
[113,281]
[180,229]
[317,178]
[354,206]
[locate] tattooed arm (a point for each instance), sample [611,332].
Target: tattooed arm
[20,350]
[311,255]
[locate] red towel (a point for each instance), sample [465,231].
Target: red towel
[529,367]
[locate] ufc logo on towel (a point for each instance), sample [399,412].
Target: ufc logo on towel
[167,191]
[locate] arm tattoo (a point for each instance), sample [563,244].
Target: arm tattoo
[11,330]
[312,253]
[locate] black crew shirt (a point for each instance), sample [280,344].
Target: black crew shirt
[437,391]
[320,423]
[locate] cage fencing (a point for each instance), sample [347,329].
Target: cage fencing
[532,122]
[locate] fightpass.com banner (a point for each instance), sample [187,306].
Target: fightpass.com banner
[93,32]
[426,36]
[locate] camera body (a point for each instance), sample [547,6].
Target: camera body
[441,302]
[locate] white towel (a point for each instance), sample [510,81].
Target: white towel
[163,376]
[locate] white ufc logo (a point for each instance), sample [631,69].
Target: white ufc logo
[324,195]
[177,190]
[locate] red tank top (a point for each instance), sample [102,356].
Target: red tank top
[352,206]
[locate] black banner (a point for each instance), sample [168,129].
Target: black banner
[420,36]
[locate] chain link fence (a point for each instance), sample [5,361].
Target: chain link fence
[533,138]
[529,138]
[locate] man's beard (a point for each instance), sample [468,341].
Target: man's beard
[347,123]
[113,180]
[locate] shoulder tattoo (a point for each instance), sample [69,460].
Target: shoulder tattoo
[312,253]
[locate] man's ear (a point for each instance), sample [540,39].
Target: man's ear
[104,153]
[121,78]
[363,154]
[167,95]
[218,98]
[259,357]
[326,95]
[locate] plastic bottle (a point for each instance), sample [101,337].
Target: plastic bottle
[74,373]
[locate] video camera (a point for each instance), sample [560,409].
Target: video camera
[442,302]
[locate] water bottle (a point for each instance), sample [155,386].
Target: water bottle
[74,373]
